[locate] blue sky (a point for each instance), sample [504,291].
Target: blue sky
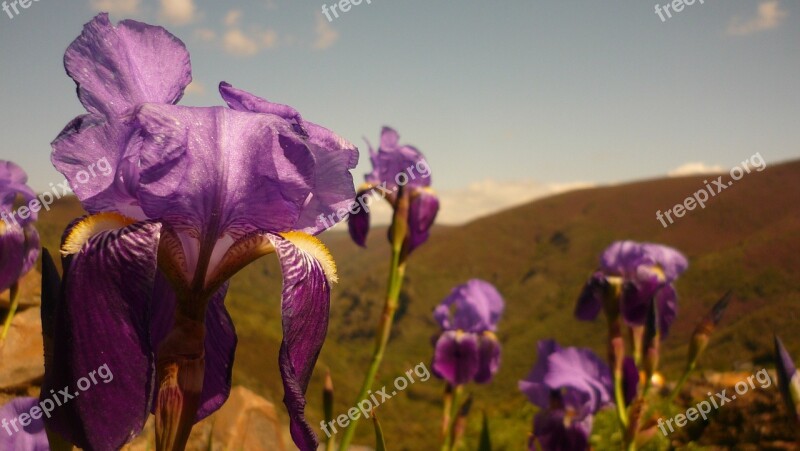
[509,99]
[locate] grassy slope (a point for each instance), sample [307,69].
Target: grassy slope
[538,255]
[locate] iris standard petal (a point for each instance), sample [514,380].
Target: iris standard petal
[582,370]
[478,307]
[421,215]
[591,299]
[621,258]
[215,171]
[533,386]
[672,262]
[308,272]
[21,437]
[90,153]
[395,165]
[13,183]
[456,357]
[334,158]
[220,342]
[107,290]
[488,358]
[119,67]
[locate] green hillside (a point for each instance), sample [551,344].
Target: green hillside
[538,255]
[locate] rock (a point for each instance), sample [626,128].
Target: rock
[246,422]
[22,355]
[30,291]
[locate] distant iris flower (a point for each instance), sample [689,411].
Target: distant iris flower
[467,349]
[18,435]
[19,240]
[398,170]
[788,379]
[640,271]
[569,386]
[196,195]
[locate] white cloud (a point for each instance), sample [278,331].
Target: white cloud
[178,12]
[116,7]
[269,39]
[326,34]
[239,44]
[205,34]
[769,16]
[479,199]
[233,16]
[195,88]
[695,168]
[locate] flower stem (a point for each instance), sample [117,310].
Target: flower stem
[14,300]
[681,381]
[396,275]
[451,415]
[447,405]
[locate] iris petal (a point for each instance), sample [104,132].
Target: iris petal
[305,309]
[29,438]
[334,158]
[478,307]
[219,171]
[119,67]
[488,358]
[108,286]
[358,223]
[590,302]
[456,357]
[421,215]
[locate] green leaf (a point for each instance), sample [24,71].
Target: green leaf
[380,444]
[486,441]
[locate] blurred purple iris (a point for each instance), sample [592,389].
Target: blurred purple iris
[19,240]
[195,195]
[397,170]
[569,386]
[640,271]
[19,430]
[468,350]
[788,379]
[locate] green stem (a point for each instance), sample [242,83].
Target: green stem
[14,300]
[447,403]
[396,275]
[619,398]
[681,381]
[449,440]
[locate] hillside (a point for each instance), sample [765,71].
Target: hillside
[538,255]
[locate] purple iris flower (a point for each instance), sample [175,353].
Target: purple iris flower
[468,350]
[569,386]
[195,195]
[397,170]
[19,240]
[19,430]
[641,271]
[788,379]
